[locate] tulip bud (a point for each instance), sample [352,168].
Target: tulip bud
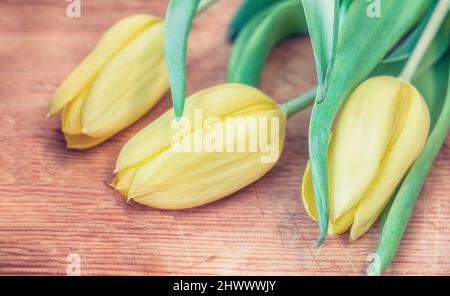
[122,78]
[381,130]
[178,164]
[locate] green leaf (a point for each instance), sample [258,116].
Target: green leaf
[404,49]
[204,5]
[358,53]
[398,215]
[323,23]
[437,49]
[246,11]
[259,36]
[263,31]
[180,14]
[344,7]
[432,84]
[280,21]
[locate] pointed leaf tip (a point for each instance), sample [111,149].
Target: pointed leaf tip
[323,24]
[178,108]
[320,241]
[180,15]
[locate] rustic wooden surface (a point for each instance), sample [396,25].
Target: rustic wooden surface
[54,202]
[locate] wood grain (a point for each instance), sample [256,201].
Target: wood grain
[54,202]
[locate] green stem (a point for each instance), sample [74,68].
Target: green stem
[205,4]
[432,28]
[299,103]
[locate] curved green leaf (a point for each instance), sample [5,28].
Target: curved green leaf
[246,11]
[432,84]
[437,49]
[269,27]
[180,14]
[344,7]
[408,43]
[323,25]
[259,36]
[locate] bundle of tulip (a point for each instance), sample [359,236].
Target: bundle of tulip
[382,83]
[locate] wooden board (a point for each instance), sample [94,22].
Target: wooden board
[54,202]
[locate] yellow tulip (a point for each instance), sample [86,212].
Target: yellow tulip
[122,78]
[381,130]
[153,169]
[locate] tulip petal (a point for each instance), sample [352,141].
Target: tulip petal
[342,224]
[219,101]
[409,136]
[179,180]
[361,138]
[308,193]
[225,175]
[128,86]
[82,141]
[122,182]
[71,116]
[338,226]
[117,37]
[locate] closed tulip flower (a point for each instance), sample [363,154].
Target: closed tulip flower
[381,130]
[229,136]
[118,82]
